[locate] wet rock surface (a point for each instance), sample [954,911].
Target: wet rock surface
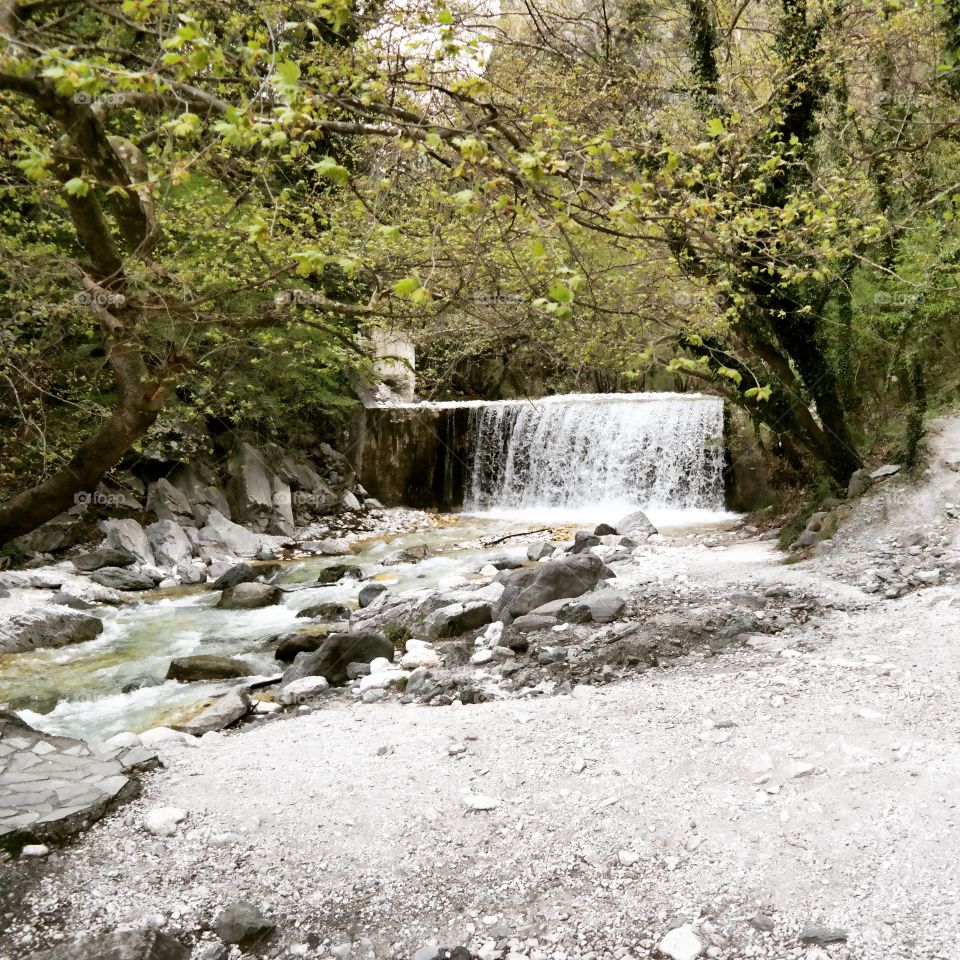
[207,667]
[47,628]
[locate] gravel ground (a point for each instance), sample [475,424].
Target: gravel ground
[809,778]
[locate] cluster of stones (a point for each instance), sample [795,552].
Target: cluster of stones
[203,523]
[910,563]
[822,524]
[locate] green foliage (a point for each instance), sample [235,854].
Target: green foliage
[397,634]
[760,208]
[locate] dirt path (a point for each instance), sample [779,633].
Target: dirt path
[812,779]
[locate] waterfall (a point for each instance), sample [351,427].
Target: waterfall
[656,451]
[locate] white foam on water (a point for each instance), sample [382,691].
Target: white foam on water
[597,456]
[667,520]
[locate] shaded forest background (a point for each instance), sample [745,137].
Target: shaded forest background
[207,210]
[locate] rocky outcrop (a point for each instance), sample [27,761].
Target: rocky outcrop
[221,537]
[259,499]
[54,787]
[59,533]
[337,651]
[169,543]
[41,628]
[527,589]
[128,535]
[167,502]
[201,487]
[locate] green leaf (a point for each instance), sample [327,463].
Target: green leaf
[329,168]
[715,127]
[407,286]
[77,187]
[287,76]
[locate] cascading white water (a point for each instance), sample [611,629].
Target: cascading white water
[657,451]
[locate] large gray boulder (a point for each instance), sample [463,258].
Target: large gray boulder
[56,534]
[457,618]
[540,549]
[169,503]
[292,644]
[370,592]
[128,535]
[221,537]
[169,543]
[223,712]
[337,651]
[244,573]
[337,470]
[339,571]
[206,667]
[860,483]
[525,590]
[249,596]
[200,486]
[637,524]
[258,497]
[105,557]
[602,606]
[312,495]
[43,627]
[123,578]
[124,945]
[330,611]
[583,540]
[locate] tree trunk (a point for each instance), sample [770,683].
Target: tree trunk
[101,451]
[801,341]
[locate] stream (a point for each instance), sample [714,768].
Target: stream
[116,682]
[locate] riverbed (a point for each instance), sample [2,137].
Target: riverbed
[117,682]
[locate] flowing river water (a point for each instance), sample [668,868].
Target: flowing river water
[566,463]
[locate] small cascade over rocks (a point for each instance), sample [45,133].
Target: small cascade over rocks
[653,450]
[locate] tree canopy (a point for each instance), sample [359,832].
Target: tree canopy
[206,207]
